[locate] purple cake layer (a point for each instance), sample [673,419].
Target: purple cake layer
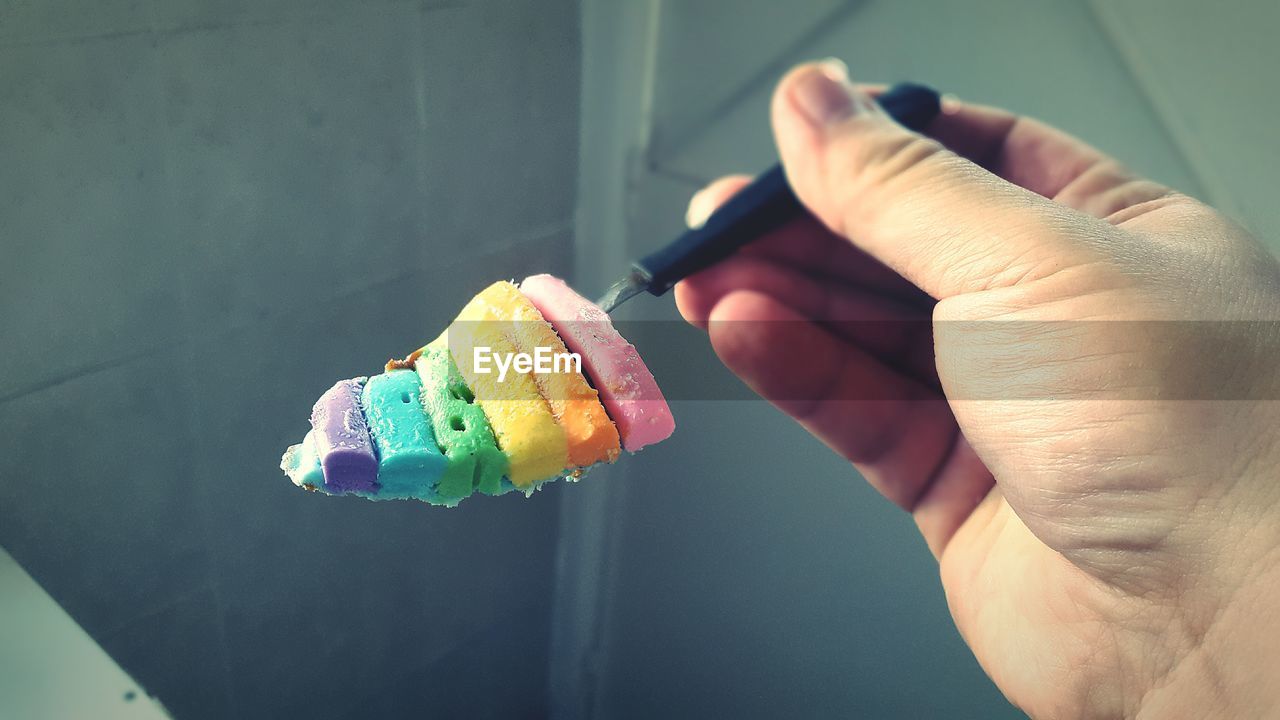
[342,439]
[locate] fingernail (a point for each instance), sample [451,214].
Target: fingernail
[824,94]
[950,104]
[835,68]
[699,210]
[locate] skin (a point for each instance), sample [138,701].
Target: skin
[1103,497]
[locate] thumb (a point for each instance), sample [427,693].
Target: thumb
[939,220]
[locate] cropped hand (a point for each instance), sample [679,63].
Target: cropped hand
[1065,372]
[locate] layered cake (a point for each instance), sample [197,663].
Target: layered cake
[528,384]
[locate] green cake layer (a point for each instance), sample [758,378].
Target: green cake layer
[473,460]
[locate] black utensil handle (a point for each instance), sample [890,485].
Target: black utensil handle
[764,205]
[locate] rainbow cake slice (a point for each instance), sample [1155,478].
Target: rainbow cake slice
[528,384]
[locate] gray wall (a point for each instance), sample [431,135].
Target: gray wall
[209,211]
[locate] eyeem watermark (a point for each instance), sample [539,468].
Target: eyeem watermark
[541,361]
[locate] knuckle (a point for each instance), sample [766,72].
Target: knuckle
[862,170]
[880,157]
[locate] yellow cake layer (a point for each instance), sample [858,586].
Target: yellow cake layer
[522,420]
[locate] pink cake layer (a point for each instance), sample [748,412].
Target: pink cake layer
[627,388]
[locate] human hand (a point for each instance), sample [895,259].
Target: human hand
[1066,373]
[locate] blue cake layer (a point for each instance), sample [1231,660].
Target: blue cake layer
[410,463]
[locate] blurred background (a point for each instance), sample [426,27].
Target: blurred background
[211,209]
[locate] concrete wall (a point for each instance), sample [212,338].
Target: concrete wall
[208,212]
